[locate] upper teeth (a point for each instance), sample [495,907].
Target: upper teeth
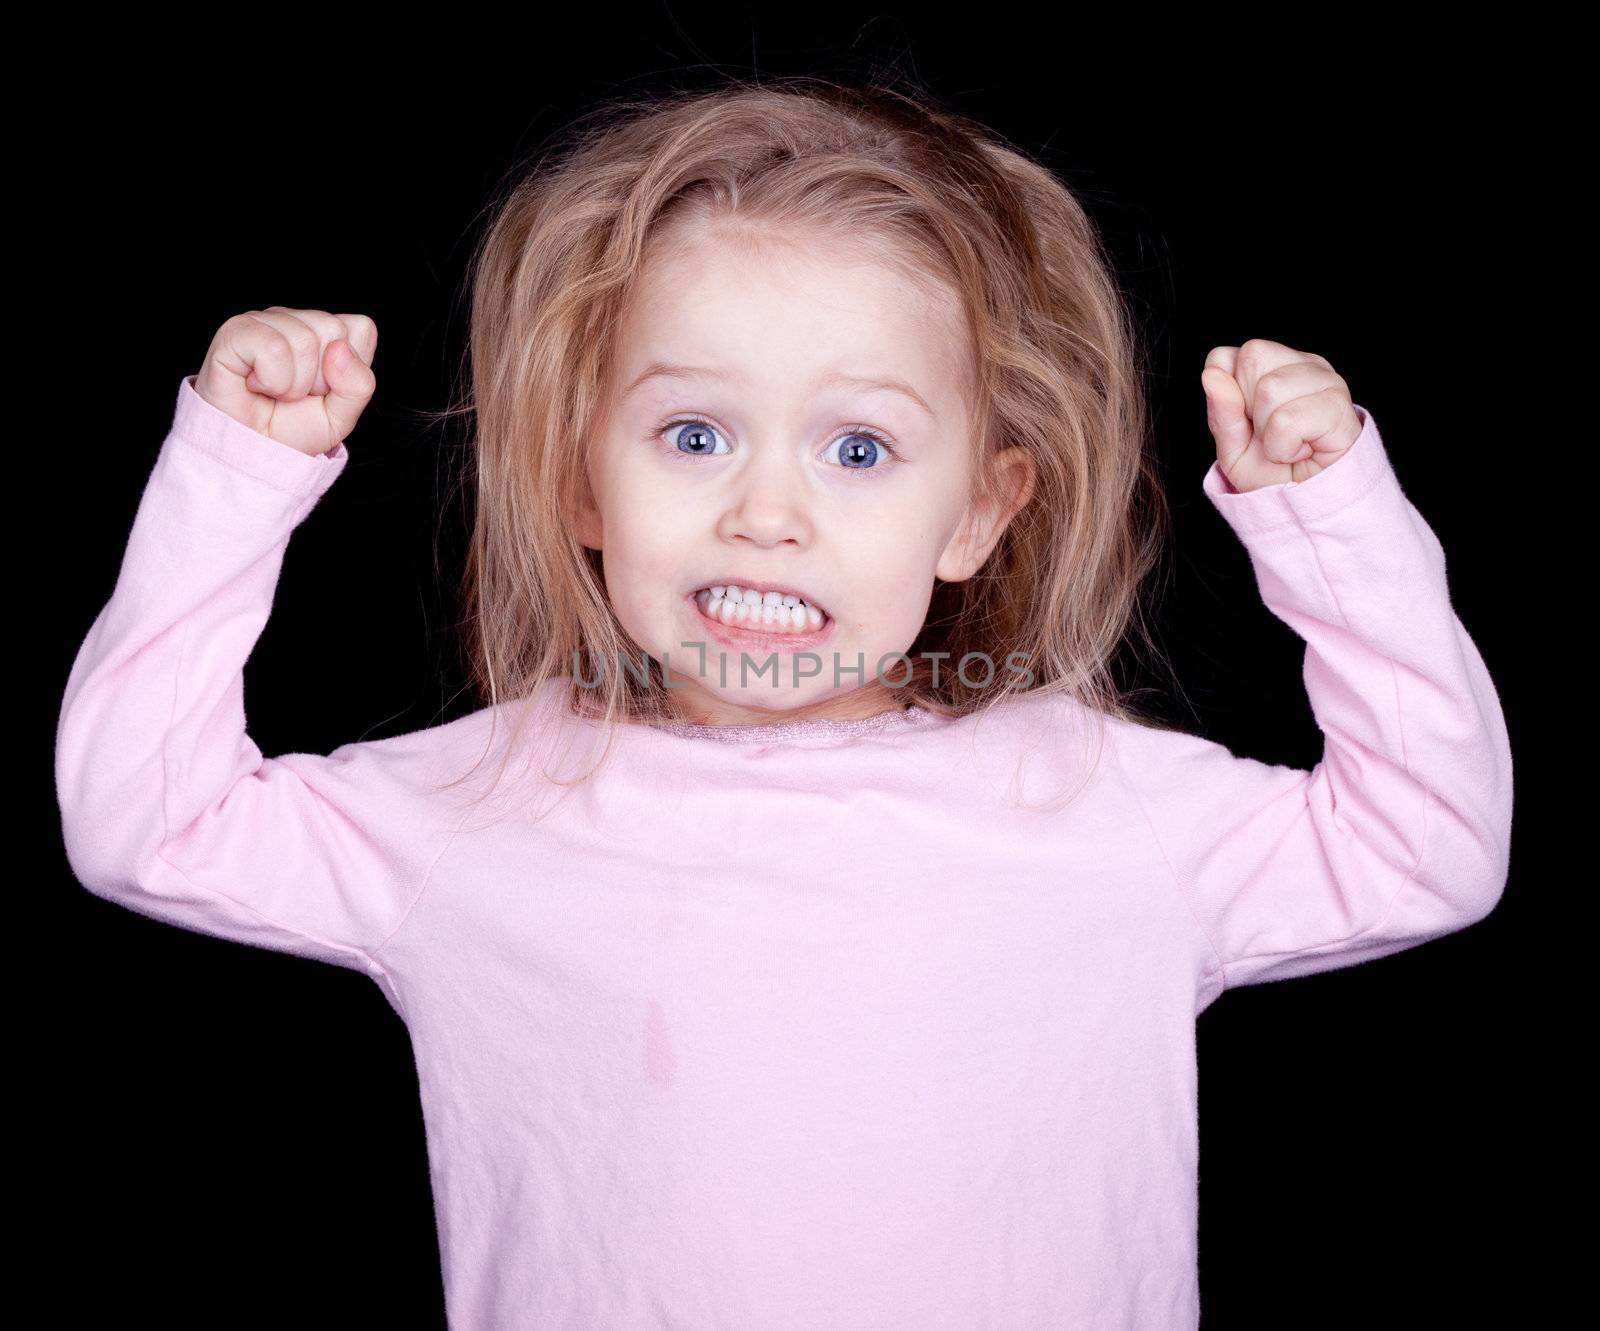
[767,610]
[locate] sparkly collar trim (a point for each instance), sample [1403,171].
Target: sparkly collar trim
[811,728]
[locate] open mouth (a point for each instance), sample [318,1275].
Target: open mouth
[768,615]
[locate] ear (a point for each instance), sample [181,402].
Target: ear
[984,523]
[586,521]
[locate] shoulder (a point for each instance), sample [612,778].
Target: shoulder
[1147,740]
[1183,777]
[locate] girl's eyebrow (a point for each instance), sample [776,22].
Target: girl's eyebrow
[667,370]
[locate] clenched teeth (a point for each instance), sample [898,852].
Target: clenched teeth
[771,612]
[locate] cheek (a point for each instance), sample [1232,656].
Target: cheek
[893,551]
[891,602]
[633,517]
[901,556]
[644,567]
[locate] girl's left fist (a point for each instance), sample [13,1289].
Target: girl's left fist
[1277,414]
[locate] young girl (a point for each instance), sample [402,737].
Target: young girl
[824,945]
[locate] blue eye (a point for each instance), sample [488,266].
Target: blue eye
[861,450]
[698,437]
[859,446]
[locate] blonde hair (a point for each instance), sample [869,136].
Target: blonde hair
[1056,369]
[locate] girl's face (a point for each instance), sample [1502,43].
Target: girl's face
[744,446]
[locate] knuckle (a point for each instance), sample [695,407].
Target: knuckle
[1255,357]
[303,340]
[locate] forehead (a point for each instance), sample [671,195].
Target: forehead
[791,311]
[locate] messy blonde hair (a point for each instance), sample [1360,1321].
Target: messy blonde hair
[1055,369]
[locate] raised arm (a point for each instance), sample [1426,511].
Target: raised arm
[168,806]
[1401,833]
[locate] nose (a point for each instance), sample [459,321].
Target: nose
[767,502]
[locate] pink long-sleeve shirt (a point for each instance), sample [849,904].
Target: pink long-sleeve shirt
[809,1026]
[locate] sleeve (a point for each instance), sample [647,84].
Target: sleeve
[168,807]
[1401,833]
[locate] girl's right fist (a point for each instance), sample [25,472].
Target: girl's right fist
[302,377]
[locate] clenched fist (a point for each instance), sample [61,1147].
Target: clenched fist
[302,377]
[1276,414]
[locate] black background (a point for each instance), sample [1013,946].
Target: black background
[233,1135]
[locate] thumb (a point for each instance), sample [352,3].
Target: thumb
[350,384]
[1225,412]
